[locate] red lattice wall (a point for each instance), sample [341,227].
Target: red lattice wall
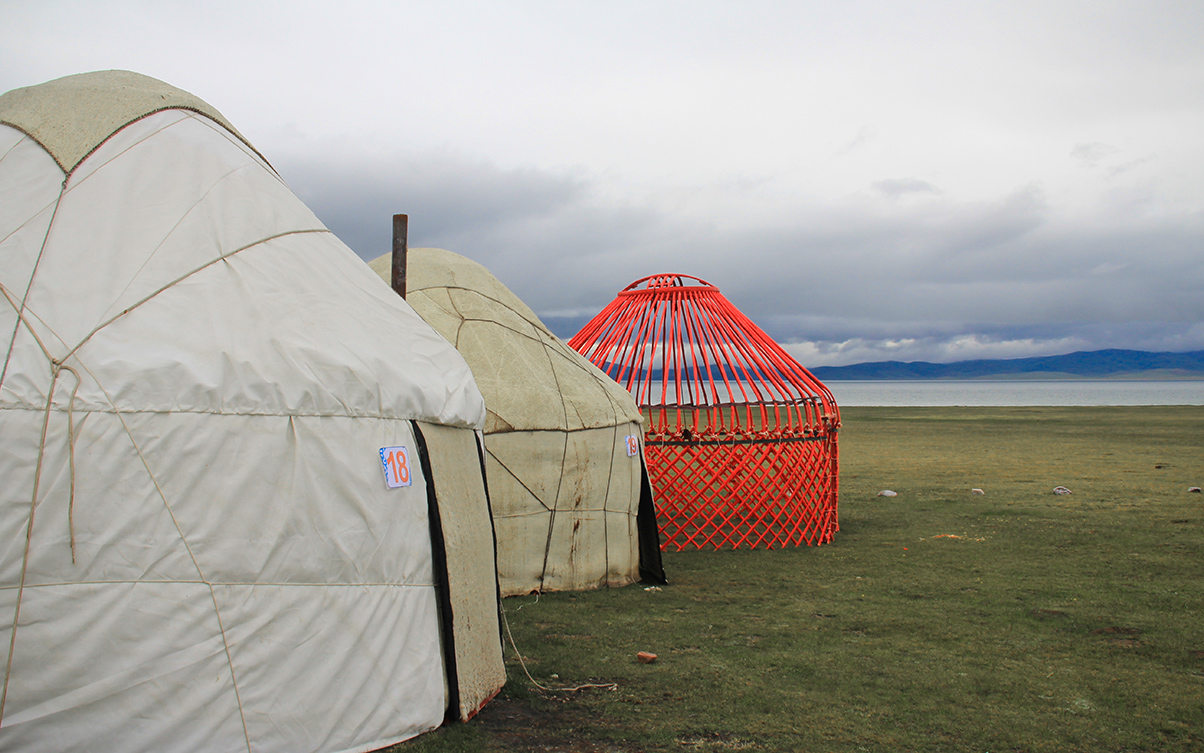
[740,439]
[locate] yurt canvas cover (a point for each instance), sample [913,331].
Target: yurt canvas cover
[571,500]
[208,537]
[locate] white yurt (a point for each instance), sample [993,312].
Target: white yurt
[243,505]
[563,441]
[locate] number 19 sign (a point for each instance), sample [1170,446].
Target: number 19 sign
[633,446]
[396,462]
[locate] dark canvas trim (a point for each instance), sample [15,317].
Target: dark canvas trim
[652,569]
[493,529]
[442,591]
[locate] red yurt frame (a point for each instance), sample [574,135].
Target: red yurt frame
[740,439]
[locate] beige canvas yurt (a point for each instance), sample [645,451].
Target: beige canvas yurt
[243,506]
[571,503]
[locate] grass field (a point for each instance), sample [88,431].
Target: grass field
[937,620]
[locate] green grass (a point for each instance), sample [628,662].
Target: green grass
[936,621]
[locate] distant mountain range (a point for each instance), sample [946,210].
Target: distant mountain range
[1099,364]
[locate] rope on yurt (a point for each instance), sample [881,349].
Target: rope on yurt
[71,453]
[37,478]
[523,664]
[29,285]
[58,367]
[33,506]
[564,453]
[223,258]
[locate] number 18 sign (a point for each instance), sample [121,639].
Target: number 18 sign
[396,462]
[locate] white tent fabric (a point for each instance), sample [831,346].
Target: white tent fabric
[565,490]
[198,546]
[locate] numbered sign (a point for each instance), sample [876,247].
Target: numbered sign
[633,446]
[396,462]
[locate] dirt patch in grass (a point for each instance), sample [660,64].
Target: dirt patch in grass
[1049,614]
[1125,642]
[715,741]
[1116,631]
[552,724]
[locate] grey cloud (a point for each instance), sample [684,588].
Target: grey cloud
[1095,154]
[848,279]
[1102,249]
[1090,154]
[864,135]
[447,198]
[938,345]
[855,257]
[543,233]
[1131,165]
[999,265]
[896,187]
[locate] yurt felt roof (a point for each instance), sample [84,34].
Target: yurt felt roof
[71,116]
[142,246]
[531,379]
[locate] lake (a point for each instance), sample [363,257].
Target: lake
[1007,392]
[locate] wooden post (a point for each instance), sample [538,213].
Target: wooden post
[401,231]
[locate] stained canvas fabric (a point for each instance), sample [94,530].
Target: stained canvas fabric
[200,545]
[563,440]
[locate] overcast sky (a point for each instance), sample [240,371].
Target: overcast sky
[866,180]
